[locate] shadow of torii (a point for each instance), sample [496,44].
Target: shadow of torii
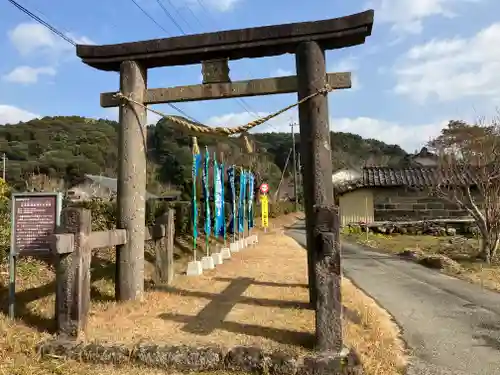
[212,316]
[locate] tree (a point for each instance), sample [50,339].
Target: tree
[469,176]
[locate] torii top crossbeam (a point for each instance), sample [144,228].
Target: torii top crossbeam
[234,44]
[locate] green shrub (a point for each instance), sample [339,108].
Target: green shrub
[104,215]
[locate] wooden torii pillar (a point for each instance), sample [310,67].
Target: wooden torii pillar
[308,41]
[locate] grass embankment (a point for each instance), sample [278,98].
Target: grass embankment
[454,255]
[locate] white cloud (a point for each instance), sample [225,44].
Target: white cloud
[32,38]
[451,69]
[407,15]
[218,5]
[282,73]
[348,64]
[12,115]
[27,74]
[409,137]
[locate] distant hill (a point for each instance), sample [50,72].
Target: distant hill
[66,147]
[348,150]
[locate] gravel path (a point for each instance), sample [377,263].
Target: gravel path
[450,326]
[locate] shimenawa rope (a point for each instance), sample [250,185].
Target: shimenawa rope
[225,130]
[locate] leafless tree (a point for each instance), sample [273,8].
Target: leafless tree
[469,176]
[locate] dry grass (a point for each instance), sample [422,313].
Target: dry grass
[459,249]
[248,300]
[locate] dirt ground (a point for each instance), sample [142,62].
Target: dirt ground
[258,297]
[460,250]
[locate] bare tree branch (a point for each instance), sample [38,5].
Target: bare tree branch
[468,175]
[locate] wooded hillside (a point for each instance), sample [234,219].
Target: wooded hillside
[67,147]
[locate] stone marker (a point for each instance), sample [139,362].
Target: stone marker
[217,258]
[234,247]
[194,268]
[226,253]
[207,263]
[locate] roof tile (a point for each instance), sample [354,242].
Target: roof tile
[385,176]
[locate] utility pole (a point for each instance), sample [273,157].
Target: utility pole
[4,165]
[296,204]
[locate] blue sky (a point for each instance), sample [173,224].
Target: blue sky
[426,62]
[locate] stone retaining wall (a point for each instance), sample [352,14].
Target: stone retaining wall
[199,359]
[399,203]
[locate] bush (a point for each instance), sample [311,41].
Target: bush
[104,215]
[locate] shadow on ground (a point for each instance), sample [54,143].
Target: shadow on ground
[212,316]
[25,306]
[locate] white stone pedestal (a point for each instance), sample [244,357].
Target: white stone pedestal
[194,268]
[234,247]
[251,240]
[226,253]
[217,258]
[207,263]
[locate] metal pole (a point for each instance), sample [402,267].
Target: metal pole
[296,207]
[277,194]
[4,164]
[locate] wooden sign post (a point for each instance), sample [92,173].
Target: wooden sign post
[34,219]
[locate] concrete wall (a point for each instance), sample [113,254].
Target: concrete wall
[356,206]
[408,204]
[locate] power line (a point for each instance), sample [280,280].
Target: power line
[240,101]
[69,40]
[194,15]
[161,27]
[183,113]
[42,22]
[149,16]
[169,15]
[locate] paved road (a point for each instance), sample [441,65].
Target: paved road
[450,326]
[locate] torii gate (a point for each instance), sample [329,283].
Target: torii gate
[308,41]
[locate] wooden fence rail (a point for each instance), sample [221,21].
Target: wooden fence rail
[73,245]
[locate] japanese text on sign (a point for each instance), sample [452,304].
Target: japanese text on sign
[264,203]
[35,219]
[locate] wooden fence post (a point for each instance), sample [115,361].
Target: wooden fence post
[164,252]
[328,273]
[73,274]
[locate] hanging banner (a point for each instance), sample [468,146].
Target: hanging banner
[264,208]
[194,203]
[206,194]
[251,193]
[219,215]
[241,203]
[232,188]
[223,201]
